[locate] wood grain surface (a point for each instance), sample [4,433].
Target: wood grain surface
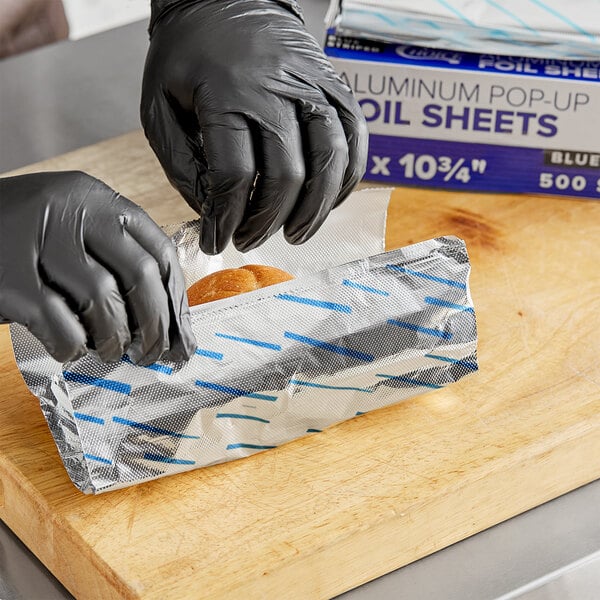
[328,512]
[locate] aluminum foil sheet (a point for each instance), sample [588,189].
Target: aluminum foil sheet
[550,29]
[343,338]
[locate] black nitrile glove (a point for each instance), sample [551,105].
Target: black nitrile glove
[236,88]
[81,265]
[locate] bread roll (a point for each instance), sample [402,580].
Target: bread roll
[231,282]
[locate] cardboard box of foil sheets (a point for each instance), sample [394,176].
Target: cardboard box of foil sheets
[476,122]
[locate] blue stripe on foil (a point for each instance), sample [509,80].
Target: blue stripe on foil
[249,341]
[512,15]
[329,387]
[252,446]
[233,391]
[434,332]
[89,418]
[344,308]
[410,381]
[98,459]
[168,459]
[564,19]
[446,304]
[311,430]
[209,353]
[153,367]
[500,33]
[107,384]
[236,416]
[384,18]
[160,368]
[152,429]
[364,288]
[456,361]
[450,282]
[330,347]
[432,24]
[460,15]
[261,396]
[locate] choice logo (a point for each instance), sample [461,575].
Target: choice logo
[416,53]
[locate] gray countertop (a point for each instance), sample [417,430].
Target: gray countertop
[72,94]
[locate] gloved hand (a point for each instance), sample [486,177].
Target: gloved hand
[236,88]
[80,264]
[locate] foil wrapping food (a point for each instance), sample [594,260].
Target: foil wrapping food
[356,330]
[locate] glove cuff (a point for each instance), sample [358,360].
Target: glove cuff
[159,8]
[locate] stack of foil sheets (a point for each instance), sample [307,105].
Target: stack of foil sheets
[538,28]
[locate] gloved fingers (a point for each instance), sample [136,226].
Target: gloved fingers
[229,180]
[151,238]
[327,159]
[357,135]
[139,279]
[280,181]
[178,153]
[46,315]
[94,295]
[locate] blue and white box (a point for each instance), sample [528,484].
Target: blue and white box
[476,122]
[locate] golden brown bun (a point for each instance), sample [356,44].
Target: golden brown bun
[231,282]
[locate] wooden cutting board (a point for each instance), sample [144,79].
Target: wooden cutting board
[326,513]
